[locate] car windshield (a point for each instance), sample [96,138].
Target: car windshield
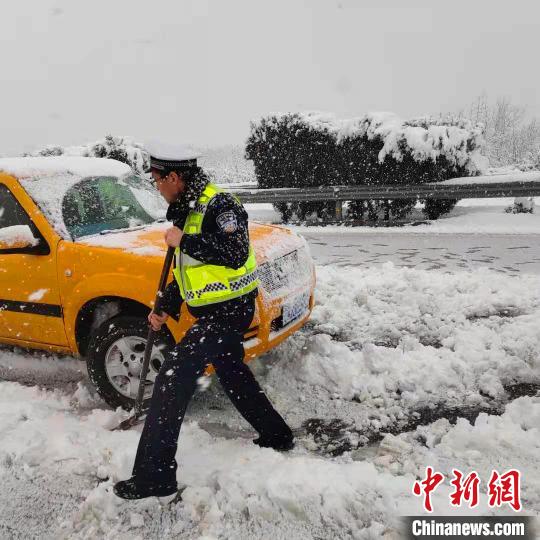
[109,203]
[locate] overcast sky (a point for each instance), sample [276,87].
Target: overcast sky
[200,70]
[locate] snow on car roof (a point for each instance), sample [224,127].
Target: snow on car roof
[28,167]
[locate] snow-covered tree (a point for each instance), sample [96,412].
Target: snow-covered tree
[511,137]
[123,149]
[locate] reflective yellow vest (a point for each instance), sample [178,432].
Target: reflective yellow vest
[200,283]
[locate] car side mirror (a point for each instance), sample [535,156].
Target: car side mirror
[20,239]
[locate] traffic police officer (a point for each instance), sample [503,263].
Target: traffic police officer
[215,274]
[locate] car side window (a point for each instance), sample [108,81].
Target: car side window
[11,212]
[12,218]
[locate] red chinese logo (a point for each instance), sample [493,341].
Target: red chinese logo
[505,489]
[467,489]
[427,486]
[501,489]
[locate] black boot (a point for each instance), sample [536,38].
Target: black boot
[281,444]
[131,489]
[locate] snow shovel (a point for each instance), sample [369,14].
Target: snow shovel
[138,409]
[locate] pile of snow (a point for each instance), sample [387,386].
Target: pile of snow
[509,441]
[60,462]
[17,234]
[231,490]
[376,333]
[382,344]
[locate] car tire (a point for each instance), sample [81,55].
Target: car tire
[114,359]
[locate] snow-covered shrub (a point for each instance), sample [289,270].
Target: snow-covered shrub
[313,149]
[434,208]
[380,148]
[522,205]
[292,150]
[123,149]
[530,163]
[295,150]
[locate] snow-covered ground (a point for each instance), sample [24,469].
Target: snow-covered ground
[402,346]
[469,216]
[56,460]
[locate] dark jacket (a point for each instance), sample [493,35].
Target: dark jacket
[224,240]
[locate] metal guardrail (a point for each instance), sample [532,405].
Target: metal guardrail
[507,185]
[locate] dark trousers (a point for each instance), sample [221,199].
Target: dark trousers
[217,339]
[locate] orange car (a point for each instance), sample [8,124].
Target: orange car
[81,250]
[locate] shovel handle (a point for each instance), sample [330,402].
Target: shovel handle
[151,334]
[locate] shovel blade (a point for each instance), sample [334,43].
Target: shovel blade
[128,423]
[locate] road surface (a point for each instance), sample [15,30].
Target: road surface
[509,254]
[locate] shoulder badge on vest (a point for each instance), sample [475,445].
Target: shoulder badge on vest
[227,221]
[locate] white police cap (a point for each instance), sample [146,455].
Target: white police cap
[167,155]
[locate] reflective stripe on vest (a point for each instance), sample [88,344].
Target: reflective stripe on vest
[201,283]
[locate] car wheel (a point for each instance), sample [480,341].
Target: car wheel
[115,356]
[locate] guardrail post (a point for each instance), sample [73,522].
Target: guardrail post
[338,214]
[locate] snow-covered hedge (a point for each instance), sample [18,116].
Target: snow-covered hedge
[123,149]
[313,149]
